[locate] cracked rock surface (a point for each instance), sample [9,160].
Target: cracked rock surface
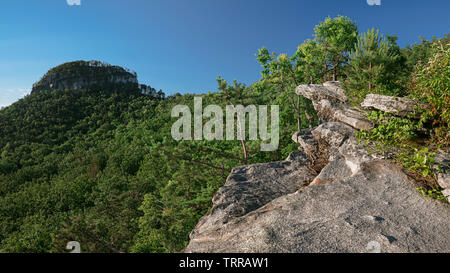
[331,196]
[388,104]
[330,103]
[356,200]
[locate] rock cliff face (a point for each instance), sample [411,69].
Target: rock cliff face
[330,196]
[81,75]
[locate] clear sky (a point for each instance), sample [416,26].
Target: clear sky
[183,45]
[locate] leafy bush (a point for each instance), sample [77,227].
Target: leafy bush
[389,129]
[419,161]
[431,85]
[397,134]
[432,193]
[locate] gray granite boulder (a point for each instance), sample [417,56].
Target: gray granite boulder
[318,92]
[251,187]
[388,104]
[330,103]
[378,205]
[356,201]
[334,133]
[307,141]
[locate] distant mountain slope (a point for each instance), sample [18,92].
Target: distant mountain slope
[66,95]
[54,146]
[79,163]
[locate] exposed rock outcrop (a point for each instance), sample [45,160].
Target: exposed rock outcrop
[442,167]
[330,103]
[366,200]
[333,133]
[355,200]
[251,187]
[330,91]
[306,140]
[394,105]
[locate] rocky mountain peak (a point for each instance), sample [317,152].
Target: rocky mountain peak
[84,74]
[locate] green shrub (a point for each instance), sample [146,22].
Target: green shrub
[388,129]
[431,85]
[419,161]
[432,193]
[396,134]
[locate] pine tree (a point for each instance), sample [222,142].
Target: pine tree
[371,64]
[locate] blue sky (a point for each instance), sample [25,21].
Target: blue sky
[183,45]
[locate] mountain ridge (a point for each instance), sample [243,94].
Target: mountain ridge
[78,75]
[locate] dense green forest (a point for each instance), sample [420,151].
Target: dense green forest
[99,166]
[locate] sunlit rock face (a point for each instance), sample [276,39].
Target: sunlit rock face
[393,105]
[355,201]
[330,103]
[333,195]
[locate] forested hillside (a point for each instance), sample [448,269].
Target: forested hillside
[99,165]
[77,166]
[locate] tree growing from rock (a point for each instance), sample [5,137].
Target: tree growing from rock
[313,60]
